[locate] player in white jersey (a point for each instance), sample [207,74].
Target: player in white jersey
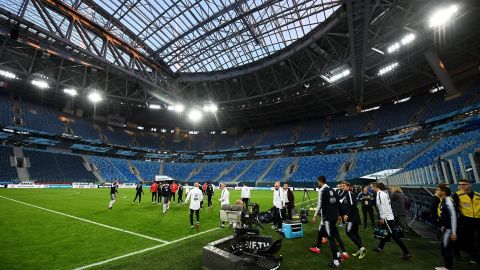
[195,196]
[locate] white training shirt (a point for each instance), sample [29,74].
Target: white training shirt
[384,205]
[225,197]
[319,202]
[197,196]
[278,198]
[245,192]
[187,189]
[285,195]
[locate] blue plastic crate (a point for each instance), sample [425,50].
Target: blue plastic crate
[292,229]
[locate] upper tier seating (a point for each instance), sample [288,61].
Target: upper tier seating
[249,138]
[148,140]
[6,111]
[309,168]
[57,167]
[200,142]
[349,125]
[312,130]
[172,144]
[42,118]
[279,134]
[7,172]
[116,136]
[397,115]
[84,128]
[438,105]
[147,169]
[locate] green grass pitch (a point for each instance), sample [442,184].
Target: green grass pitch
[35,238]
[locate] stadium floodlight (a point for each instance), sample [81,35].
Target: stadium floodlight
[407,39]
[442,16]
[210,108]
[388,68]
[8,74]
[70,91]
[154,106]
[95,97]
[179,108]
[40,84]
[336,74]
[194,115]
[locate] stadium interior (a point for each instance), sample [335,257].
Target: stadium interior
[254,92]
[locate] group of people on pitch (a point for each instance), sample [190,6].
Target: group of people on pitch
[336,205]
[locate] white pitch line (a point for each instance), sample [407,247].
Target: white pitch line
[142,251]
[88,221]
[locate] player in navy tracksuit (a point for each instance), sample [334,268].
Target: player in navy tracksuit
[138,194]
[448,225]
[328,205]
[352,219]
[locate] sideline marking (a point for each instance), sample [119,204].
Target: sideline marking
[88,221]
[142,250]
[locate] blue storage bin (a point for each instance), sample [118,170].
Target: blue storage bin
[292,229]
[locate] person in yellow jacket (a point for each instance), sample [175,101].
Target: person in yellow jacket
[467,202]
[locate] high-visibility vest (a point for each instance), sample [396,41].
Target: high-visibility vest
[439,207]
[469,207]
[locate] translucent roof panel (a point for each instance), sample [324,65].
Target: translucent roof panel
[210,35]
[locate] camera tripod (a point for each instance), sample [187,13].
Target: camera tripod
[305,195]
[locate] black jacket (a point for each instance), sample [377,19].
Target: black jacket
[330,205]
[166,191]
[351,208]
[209,190]
[398,203]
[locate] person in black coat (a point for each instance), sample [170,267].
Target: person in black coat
[289,201]
[398,207]
[352,219]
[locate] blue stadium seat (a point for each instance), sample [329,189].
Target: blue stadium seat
[211,171]
[178,170]
[147,169]
[57,167]
[7,172]
[116,136]
[84,128]
[239,168]
[277,171]
[372,161]
[42,118]
[256,170]
[113,168]
[310,167]
[442,146]
[6,111]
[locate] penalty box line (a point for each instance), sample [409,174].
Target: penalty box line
[88,221]
[143,250]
